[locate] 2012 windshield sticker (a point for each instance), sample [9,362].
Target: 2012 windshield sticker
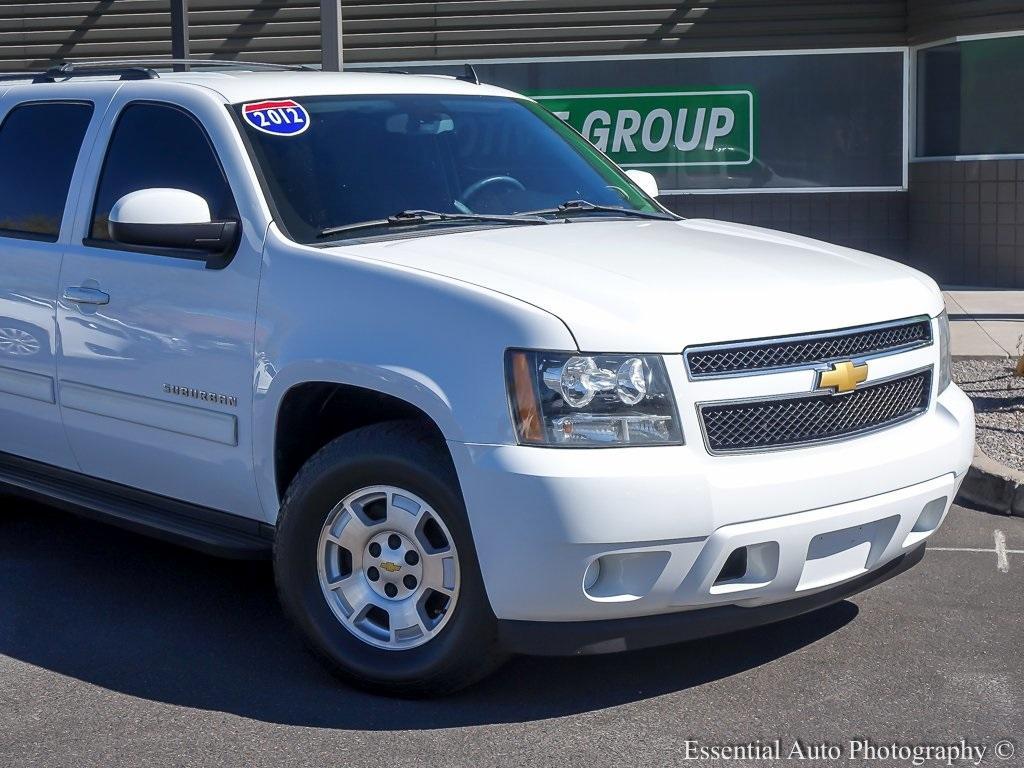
[278,118]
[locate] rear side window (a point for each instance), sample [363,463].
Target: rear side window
[39,146]
[158,145]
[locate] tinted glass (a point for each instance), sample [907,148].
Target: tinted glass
[963,106]
[365,158]
[730,122]
[39,145]
[155,145]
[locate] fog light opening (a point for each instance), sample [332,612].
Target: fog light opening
[623,576]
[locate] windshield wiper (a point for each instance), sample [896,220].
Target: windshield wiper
[412,218]
[573,207]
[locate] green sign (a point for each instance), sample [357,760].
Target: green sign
[663,129]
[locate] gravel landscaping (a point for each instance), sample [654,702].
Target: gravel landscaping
[999,404]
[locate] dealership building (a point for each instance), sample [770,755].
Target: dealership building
[892,126]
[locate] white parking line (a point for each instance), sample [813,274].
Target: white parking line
[1002,561]
[1000,551]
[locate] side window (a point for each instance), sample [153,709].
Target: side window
[39,145]
[157,145]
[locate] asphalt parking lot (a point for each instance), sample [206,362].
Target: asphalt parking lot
[117,650]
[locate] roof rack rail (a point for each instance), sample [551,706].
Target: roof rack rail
[197,63]
[67,71]
[135,69]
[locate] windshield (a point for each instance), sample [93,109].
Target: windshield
[365,158]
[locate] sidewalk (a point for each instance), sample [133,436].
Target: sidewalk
[985,324]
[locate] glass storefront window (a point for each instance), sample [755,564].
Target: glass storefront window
[970,98]
[820,120]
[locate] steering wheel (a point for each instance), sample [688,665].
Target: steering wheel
[476,186]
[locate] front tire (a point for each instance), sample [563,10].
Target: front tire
[374,562]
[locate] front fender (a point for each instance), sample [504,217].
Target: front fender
[431,341]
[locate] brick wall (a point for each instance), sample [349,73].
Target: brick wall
[966,221]
[961,222]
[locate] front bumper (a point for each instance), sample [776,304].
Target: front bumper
[663,522]
[572,638]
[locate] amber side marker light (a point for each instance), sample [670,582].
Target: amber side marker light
[524,400]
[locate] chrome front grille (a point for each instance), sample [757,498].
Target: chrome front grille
[791,421]
[761,356]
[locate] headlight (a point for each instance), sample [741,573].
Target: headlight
[572,400]
[945,356]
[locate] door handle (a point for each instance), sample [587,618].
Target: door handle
[85,296]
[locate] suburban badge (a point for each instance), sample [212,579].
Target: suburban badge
[201,394]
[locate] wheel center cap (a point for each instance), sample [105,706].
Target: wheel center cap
[393,565]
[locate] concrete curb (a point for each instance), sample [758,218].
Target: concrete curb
[992,486]
[961,358]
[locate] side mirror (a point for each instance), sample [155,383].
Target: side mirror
[172,218]
[645,181]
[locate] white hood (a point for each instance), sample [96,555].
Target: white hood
[651,286]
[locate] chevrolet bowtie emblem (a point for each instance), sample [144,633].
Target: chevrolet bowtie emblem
[843,377]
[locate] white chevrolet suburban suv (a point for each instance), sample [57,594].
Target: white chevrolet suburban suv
[466,381]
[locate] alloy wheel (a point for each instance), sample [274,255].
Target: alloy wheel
[388,567]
